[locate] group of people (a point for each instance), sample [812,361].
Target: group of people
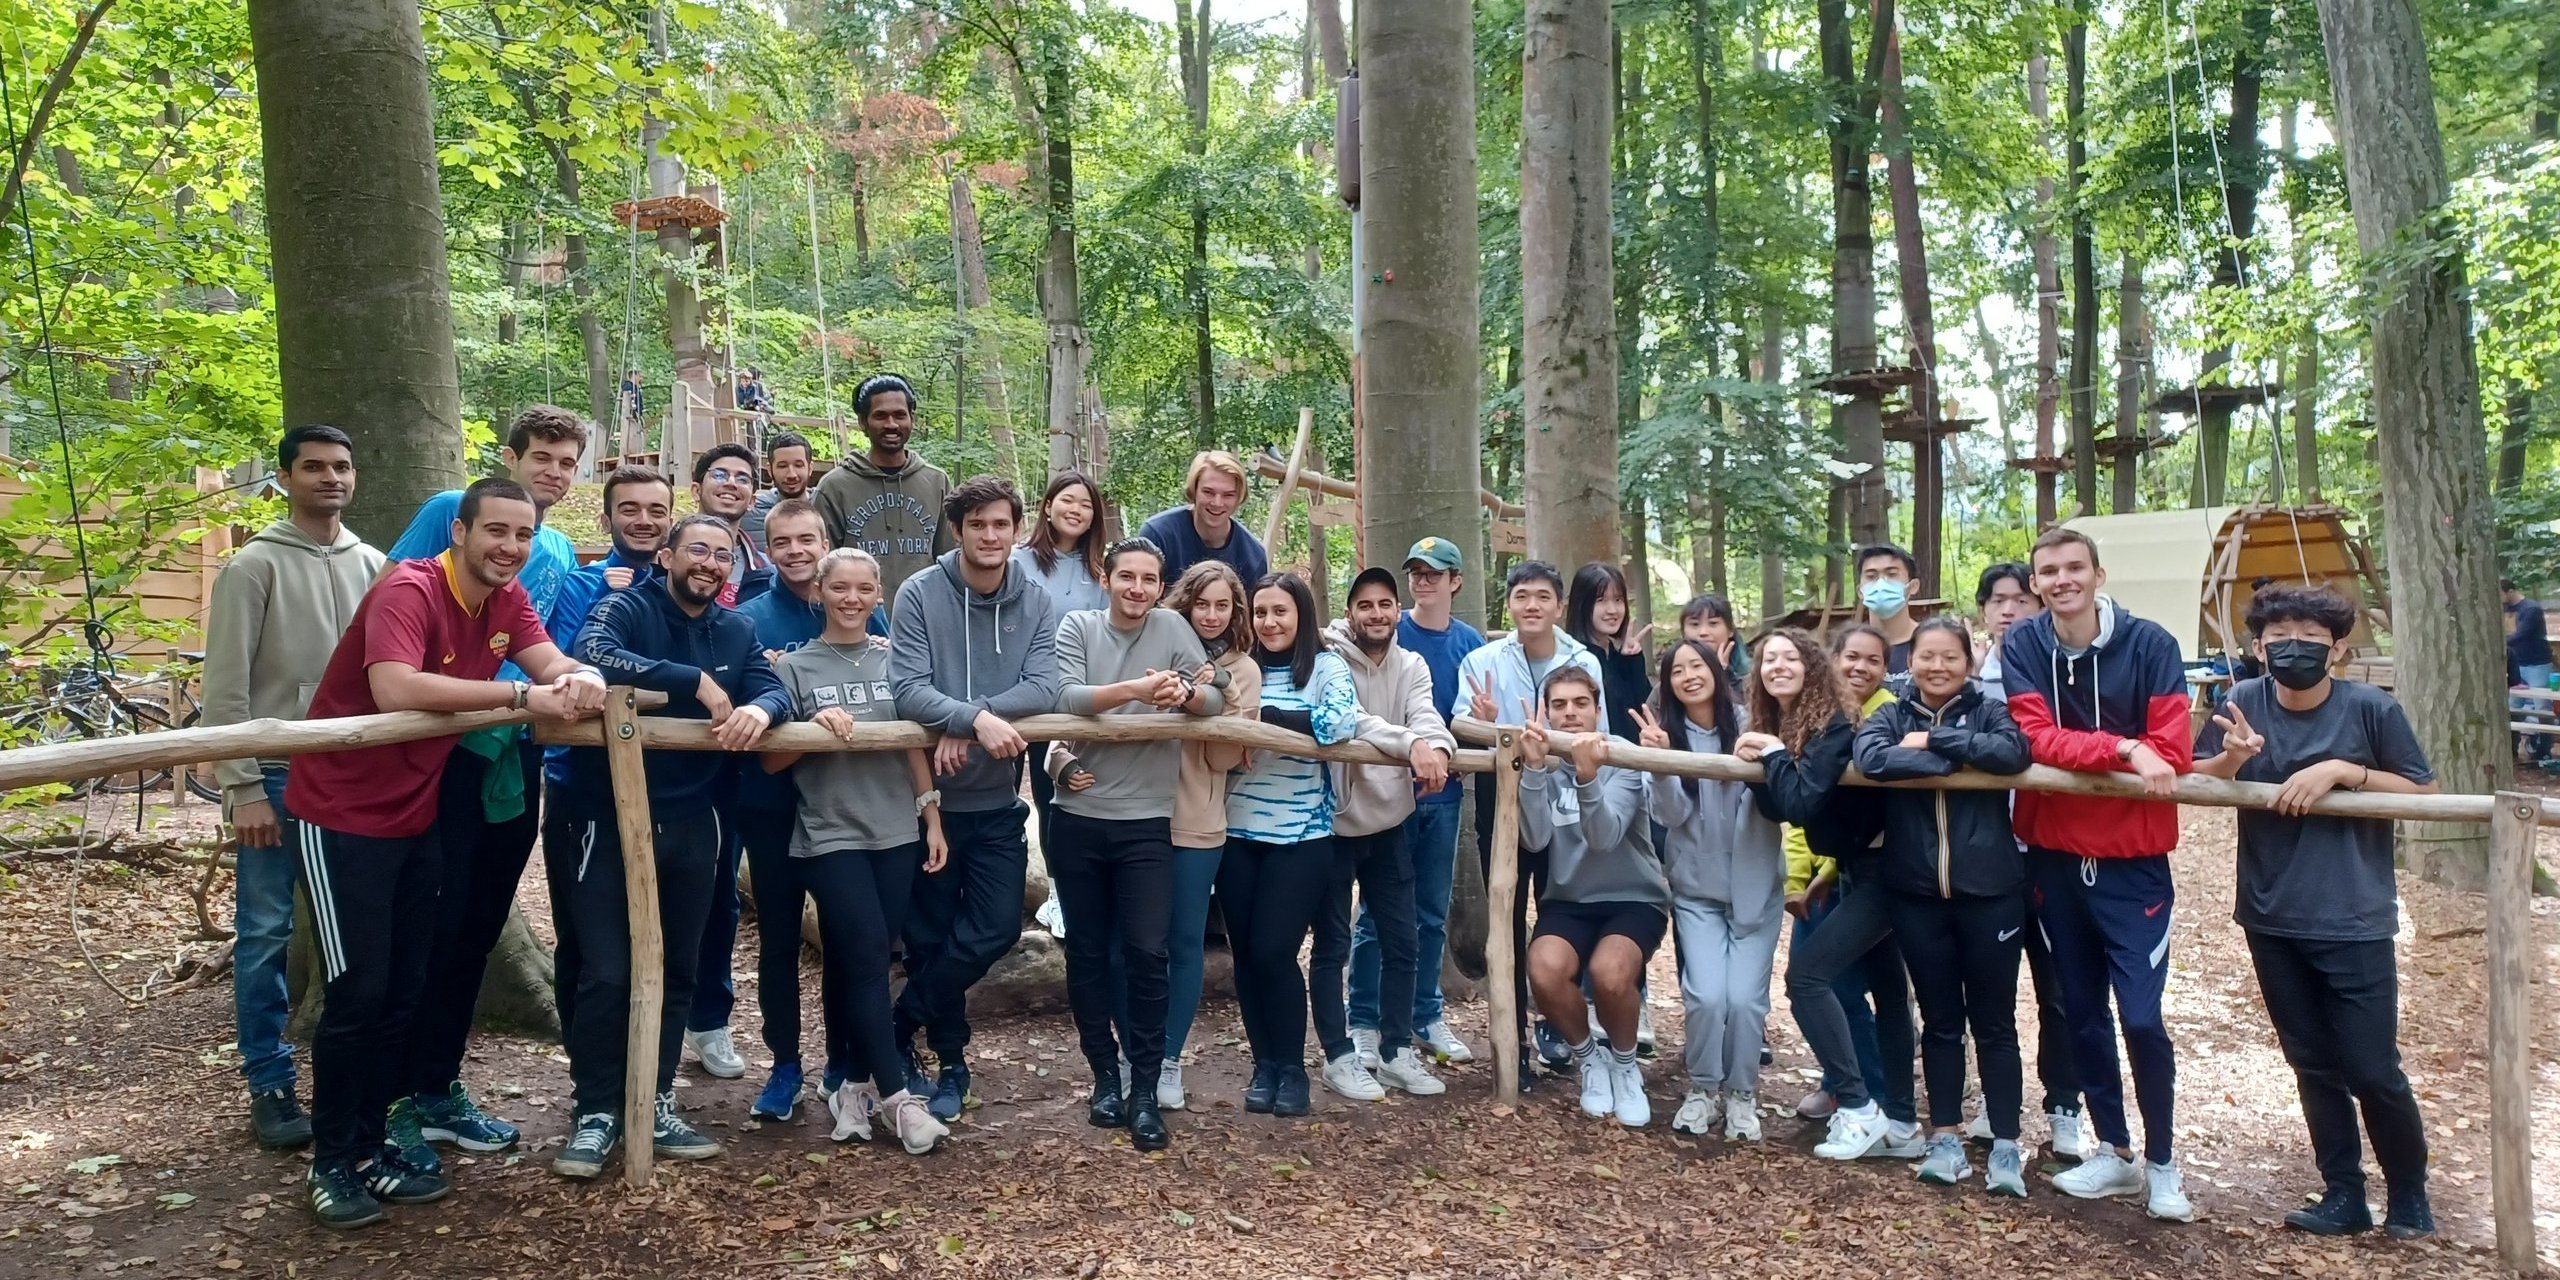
[885,591]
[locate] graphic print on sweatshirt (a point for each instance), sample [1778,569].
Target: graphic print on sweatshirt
[915,540]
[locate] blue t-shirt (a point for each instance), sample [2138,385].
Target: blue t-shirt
[1441,652]
[567,615]
[1173,531]
[546,568]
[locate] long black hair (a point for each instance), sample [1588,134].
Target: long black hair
[1301,656]
[1591,582]
[1674,714]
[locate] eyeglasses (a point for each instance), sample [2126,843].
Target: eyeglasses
[723,475]
[720,556]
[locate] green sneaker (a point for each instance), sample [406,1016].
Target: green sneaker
[453,1117]
[404,1128]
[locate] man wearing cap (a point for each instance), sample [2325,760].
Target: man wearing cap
[1432,576]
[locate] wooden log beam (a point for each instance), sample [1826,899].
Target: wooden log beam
[622,746]
[1501,895]
[1289,479]
[2510,943]
[1270,466]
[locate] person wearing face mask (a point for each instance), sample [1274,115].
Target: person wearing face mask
[2317,900]
[1885,574]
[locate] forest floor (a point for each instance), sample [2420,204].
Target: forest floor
[126,1147]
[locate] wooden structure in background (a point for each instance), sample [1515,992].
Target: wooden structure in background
[2189,570]
[180,592]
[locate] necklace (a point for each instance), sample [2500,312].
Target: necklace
[839,650]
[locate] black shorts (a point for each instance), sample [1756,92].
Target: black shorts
[1584,924]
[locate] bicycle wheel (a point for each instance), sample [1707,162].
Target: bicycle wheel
[131,715]
[199,776]
[48,724]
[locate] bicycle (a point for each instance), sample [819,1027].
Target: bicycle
[81,698]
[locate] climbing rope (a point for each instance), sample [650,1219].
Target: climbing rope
[818,282]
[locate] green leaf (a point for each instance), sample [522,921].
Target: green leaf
[92,1165]
[949,1248]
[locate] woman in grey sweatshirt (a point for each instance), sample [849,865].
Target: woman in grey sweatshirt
[1727,870]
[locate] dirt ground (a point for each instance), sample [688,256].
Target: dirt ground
[126,1150]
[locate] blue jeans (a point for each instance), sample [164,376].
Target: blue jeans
[262,916]
[1431,840]
[1852,988]
[1195,873]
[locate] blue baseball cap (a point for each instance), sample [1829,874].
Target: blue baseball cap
[1435,553]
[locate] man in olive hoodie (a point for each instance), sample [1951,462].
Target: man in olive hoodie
[888,501]
[278,610]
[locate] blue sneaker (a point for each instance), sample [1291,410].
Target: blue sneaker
[405,1130]
[339,1199]
[394,1180]
[455,1118]
[781,1095]
[918,1083]
[951,1092]
[1552,1050]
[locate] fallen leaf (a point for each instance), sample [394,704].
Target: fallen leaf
[1181,1219]
[780,1224]
[949,1247]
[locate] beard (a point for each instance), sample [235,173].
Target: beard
[690,595]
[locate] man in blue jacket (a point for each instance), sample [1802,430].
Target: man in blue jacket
[972,647]
[671,635]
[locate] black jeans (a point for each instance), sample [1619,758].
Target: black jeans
[715,992]
[1271,893]
[687,849]
[959,923]
[2054,1068]
[1532,884]
[563,849]
[483,862]
[781,885]
[362,887]
[862,903]
[2336,1009]
[1963,957]
[1859,932]
[1383,867]
[1115,881]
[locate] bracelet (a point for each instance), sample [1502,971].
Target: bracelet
[927,800]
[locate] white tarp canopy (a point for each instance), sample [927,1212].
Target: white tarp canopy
[2189,570]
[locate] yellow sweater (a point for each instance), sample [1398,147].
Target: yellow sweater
[1802,866]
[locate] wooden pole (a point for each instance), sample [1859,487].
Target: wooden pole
[1289,479]
[1501,891]
[648,946]
[2510,930]
[1271,468]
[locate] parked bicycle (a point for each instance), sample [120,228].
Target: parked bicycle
[82,697]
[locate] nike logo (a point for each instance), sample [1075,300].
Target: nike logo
[2007,934]
[2153,909]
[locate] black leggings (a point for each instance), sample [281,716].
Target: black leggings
[862,903]
[781,885]
[1857,934]
[1271,894]
[1963,958]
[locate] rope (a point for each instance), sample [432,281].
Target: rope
[540,234]
[631,275]
[818,282]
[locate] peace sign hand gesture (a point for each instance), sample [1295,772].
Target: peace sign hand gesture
[1480,698]
[1649,731]
[1533,736]
[1632,638]
[2238,738]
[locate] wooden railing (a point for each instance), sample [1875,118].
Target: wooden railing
[2512,819]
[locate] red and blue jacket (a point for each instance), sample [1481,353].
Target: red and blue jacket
[2130,683]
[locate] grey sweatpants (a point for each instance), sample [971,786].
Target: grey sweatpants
[1724,988]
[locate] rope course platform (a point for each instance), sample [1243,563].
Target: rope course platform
[656,213]
[1878,382]
[2196,401]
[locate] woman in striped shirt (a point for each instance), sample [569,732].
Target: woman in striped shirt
[1280,839]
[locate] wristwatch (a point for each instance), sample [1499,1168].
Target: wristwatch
[933,797]
[2125,748]
[524,694]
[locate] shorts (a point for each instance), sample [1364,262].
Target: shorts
[1584,924]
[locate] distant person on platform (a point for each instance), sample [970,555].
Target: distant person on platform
[1205,527]
[634,403]
[888,500]
[753,395]
[2529,652]
[1885,574]
[787,458]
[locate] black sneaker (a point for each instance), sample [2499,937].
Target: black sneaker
[279,1121]
[1290,1098]
[2408,1217]
[1258,1091]
[1552,1050]
[394,1179]
[677,1140]
[592,1141]
[2341,1212]
[1528,1069]
[339,1199]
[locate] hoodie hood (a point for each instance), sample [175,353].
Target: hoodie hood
[285,534]
[862,465]
[954,653]
[1338,637]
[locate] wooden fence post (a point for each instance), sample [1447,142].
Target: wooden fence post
[1501,891]
[648,944]
[2509,904]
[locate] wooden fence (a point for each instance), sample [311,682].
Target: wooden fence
[2512,819]
[178,593]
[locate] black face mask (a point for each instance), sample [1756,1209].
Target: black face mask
[2298,664]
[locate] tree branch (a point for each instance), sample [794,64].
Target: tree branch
[53,88]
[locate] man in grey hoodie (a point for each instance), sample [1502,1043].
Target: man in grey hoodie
[972,647]
[278,610]
[889,500]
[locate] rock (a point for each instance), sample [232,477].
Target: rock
[1032,978]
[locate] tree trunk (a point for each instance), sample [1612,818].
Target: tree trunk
[968,243]
[1854,98]
[1638,541]
[2242,168]
[2084,279]
[2515,432]
[1059,300]
[1570,403]
[1195,39]
[364,327]
[1418,212]
[2048,294]
[685,433]
[2131,362]
[2306,354]
[1919,321]
[2440,538]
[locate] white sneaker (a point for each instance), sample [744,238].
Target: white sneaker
[1445,1044]
[1945,1164]
[1978,1129]
[912,1121]
[2100,1176]
[2168,1187]
[1626,1087]
[1052,915]
[1903,1140]
[1697,1113]
[1644,1030]
[2070,1137]
[718,1052]
[1855,1133]
[1599,1086]
[1406,1071]
[1345,1076]
[1364,1042]
[1169,1095]
[852,1106]
[1741,1117]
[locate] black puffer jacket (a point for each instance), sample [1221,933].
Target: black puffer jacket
[1803,788]
[1946,844]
